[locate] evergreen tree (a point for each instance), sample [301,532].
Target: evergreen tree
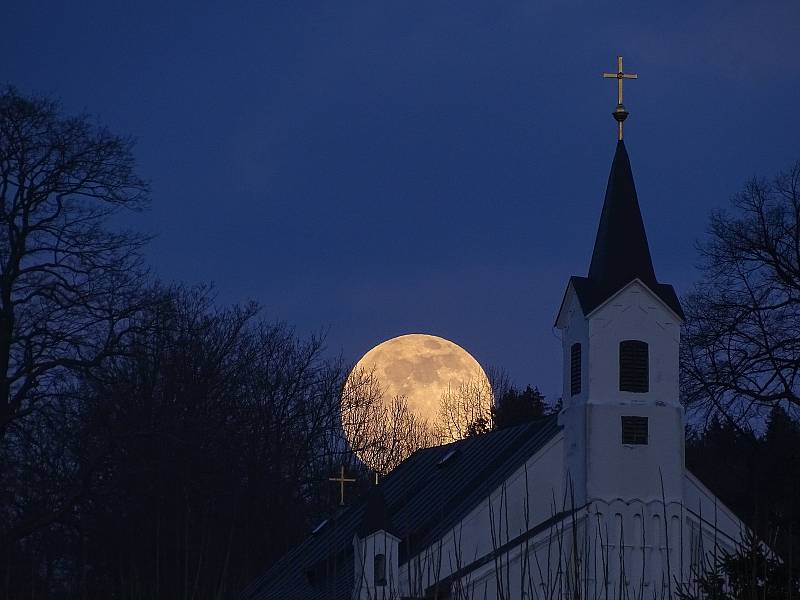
[753,571]
[516,407]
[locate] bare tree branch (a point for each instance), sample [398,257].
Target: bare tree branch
[741,348]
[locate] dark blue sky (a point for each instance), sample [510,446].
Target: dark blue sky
[381,168]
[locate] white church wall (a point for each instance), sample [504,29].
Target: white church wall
[636,546]
[539,483]
[644,549]
[657,548]
[701,504]
[538,567]
[598,463]
[634,472]
[532,494]
[631,569]
[622,550]
[575,330]
[613,553]
[593,556]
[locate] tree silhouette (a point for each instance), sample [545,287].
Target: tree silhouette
[516,407]
[67,280]
[741,347]
[69,285]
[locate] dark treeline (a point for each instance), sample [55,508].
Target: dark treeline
[152,444]
[177,468]
[757,476]
[740,377]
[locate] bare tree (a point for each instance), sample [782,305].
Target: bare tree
[741,348]
[465,410]
[66,279]
[382,434]
[205,446]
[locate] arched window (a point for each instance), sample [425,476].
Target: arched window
[379,570]
[575,369]
[634,366]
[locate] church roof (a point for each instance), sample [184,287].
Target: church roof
[621,252]
[429,493]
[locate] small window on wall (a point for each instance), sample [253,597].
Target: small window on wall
[380,570]
[634,430]
[575,369]
[634,367]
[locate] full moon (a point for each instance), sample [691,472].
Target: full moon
[443,386]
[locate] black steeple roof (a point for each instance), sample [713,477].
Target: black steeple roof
[376,517]
[621,253]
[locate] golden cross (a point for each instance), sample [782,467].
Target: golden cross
[341,480]
[620,114]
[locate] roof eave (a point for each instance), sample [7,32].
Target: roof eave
[570,291]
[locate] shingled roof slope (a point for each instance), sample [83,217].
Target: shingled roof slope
[424,497]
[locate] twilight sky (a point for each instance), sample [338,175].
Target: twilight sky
[381,168]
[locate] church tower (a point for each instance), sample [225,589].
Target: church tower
[620,328]
[376,553]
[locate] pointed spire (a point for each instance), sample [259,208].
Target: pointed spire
[621,253]
[376,517]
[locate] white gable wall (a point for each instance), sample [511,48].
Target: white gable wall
[634,313]
[534,488]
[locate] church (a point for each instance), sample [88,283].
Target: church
[594,502]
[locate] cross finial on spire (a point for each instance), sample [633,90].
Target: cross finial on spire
[620,114]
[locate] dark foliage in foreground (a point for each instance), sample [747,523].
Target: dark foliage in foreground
[202,445]
[750,573]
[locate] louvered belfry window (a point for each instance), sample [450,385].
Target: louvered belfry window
[575,369]
[634,367]
[634,430]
